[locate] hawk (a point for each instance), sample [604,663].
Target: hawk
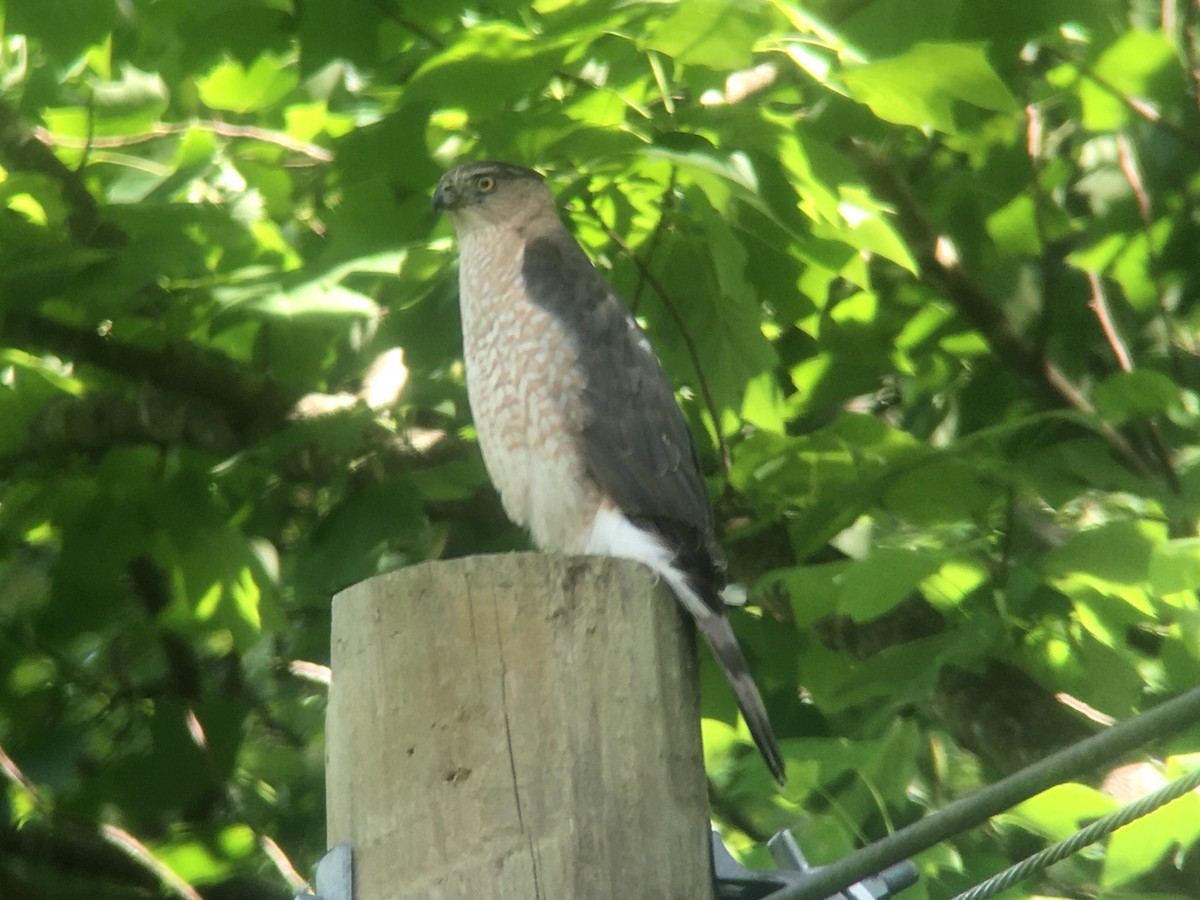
[577,422]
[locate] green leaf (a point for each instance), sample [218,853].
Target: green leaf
[813,589]
[223,586]
[335,30]
[486,67]
[231,86]
[954,581]
[163,768]
[888,680]
[316,298]
[947,490]
[1116,554]
[208,859]
[261,296]
[722,316]
[1129,68]
[130,105]
[359,536]
[1059,811]
[717,34]
[1175,566]
[1135,395]
[919,87]
[1014,227]
[1140,846]
[875,584]
[63,28]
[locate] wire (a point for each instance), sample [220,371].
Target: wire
[1090,753]
[1100,828]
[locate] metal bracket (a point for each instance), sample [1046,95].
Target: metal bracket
[733,881]
[335,876]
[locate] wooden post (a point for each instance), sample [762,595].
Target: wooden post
[517,727]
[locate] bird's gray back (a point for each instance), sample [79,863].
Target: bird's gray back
[635,440]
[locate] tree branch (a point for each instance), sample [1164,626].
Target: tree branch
[940,268]
[143,856]
[170,129]
[249,401]
[392,11]
[665,206]
[20,150]
[1099,305]
[1187,40]
[1138,107]
[1035,130]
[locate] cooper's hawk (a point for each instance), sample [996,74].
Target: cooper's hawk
[576,419]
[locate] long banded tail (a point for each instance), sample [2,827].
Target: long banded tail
[718,633]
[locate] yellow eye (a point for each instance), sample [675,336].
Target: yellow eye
[485,184]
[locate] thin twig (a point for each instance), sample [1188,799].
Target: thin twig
[21,151]
[665,205]
[1187,39]
[141,854]
[1035,128]
[680,324]
[250,401]
[1129,169]
[701,380]
[390,10]
[1139,107]
[946,273]
[1100,749]
[169,129]
[1035,132]
[1004,564]
[1099,305]
[88,137]
[283,865]
[10,770]
[1133,175]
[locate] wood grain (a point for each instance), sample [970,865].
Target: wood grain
[515,727]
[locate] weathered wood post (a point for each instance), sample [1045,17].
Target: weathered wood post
[517,727]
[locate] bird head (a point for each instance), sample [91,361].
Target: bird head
[491,193]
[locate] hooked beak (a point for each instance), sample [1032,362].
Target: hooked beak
[446,197]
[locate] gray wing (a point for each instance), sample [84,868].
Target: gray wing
[636,441]
[639,450]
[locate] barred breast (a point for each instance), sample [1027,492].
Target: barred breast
[524,385]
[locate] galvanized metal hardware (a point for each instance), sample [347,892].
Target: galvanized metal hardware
[335,876]
[733,881]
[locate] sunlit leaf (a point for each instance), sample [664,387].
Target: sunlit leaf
[920,87]
[873,585]
[1140,846]
[1058,812]
[1140,393]
[1127,68]
[713,33]
[216,217]
[1175,566]
[234,87]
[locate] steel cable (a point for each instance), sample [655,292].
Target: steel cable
[1100,749]
[1102,827]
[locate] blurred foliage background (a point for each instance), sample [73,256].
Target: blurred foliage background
[925,274]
